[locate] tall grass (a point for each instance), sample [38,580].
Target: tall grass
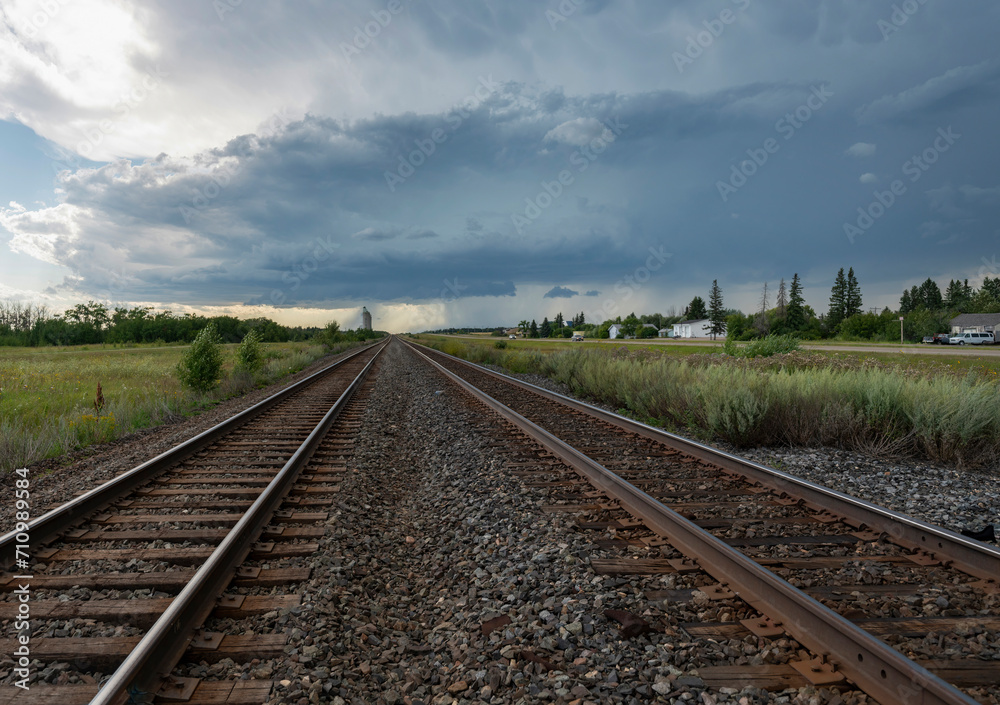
[878,411]
[47,397]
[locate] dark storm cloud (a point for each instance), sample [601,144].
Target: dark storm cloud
[412,198]
[560,292]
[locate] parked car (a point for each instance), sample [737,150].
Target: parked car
[928,339]
[971,339]
[941,339]
[512,337]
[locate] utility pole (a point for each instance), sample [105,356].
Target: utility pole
[900,330]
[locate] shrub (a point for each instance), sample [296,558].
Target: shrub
[201,366]
[762,347]
[330,335]
[500,344]
[250,353]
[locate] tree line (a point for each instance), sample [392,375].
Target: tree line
[94,323]
[925,310]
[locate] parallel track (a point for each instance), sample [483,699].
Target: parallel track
[129,575]
[697,506]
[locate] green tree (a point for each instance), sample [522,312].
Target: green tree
[533,330]
[559,323]
[201,366]
[929,295]
[716,312]
[852,296]
[838,301]
[330,335]
[250,353]
[905,302]
[696,310]
[958,295]
[794,313]
[545,330]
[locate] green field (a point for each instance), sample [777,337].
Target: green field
[928,407]
[47,395]
[955,364]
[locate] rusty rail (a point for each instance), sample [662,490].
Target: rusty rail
[166,641]
[870,663]
[59,520]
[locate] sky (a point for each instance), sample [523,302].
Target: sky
[479,162]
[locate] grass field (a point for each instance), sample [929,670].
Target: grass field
[957,363]
[942,409]
[47,395]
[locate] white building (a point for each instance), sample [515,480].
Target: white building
[701,328]
[615,330]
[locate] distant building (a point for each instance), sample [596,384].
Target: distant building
[366,319]
[702,328]
[666,332]
[614,331]
[976,323]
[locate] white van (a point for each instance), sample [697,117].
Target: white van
[971,339]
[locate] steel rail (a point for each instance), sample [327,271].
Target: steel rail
[62,518]
[164,644]
[965,554]
[870,663]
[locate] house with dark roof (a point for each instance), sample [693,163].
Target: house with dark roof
[976,323]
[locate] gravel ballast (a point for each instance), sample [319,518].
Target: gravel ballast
[432,540]
[954,498]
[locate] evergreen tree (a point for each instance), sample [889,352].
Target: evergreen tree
[795,316]
[930,295]
[558,323]
[716,313]
[534,329]
[991,287]
[838,300]
[782,302]
[763,301]
[696,310]
[545,330]
[905,302]
[958,294]
[852,297]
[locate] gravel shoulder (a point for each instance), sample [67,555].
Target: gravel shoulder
[947,496]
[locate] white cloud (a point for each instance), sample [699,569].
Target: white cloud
[861,149]
[868,178]
[576,132]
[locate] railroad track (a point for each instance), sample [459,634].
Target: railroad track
[902,610]
[210,534]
